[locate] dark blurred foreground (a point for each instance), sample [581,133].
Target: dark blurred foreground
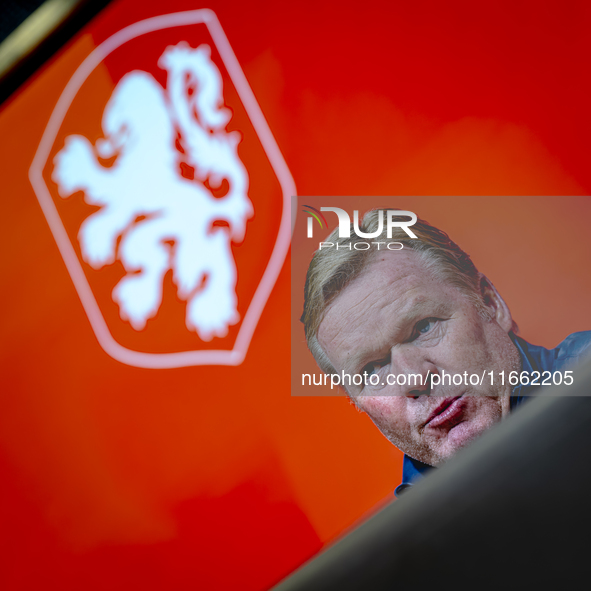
[512,510]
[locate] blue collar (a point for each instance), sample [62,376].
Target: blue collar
[533,358]
[412,472]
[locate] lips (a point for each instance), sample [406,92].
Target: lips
[446,412]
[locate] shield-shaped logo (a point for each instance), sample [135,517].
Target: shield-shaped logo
[166,193]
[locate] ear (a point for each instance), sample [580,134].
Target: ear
[496,305]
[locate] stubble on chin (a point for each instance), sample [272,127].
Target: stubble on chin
[490,411]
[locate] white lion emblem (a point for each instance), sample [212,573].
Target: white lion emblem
[151,218]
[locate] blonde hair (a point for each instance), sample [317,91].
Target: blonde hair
[332,269]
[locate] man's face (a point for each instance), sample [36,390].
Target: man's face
[396,318]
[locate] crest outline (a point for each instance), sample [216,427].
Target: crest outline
[233,356]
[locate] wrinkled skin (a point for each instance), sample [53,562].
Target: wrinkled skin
[398,318]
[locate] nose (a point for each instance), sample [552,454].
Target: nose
[413,371]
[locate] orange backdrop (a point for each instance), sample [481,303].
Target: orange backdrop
[116,477]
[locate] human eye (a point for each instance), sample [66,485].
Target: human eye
[374,374]
[424,327]
[373,367]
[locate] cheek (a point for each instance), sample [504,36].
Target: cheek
[485,412]
[473,344]
[499,351]
[470,332]
[389,413]
[482,415]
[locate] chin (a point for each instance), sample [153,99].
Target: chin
[461,436]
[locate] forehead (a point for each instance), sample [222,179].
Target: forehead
[393,288]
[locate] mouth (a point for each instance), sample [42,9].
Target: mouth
[447,412]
